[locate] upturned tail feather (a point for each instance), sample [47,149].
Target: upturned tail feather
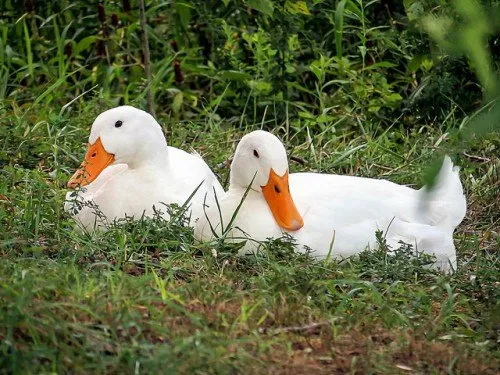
[444,204]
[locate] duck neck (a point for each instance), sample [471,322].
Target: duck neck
[151,156]
[240,191]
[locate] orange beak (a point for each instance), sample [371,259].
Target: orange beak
[279,200]
[96,160]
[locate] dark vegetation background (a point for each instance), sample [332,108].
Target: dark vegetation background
[373,88]
[371,61]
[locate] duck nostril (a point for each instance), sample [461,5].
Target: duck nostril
[93,155]
[277,189]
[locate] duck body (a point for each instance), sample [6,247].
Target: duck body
[341,215]
[141,186]
[134,192]
[353,209]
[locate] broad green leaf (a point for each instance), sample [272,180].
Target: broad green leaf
[382,64]
[263,6]
[296,7]
[415,63]
[353,7]
[260,86]
[234,75]
[339,26]
[362,49]
[85,43]
[184,12]
[393,98]
[484,121]
[414,10]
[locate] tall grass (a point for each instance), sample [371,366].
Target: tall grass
[360,59]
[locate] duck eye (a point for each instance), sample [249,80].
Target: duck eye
[255,153]
[118,123]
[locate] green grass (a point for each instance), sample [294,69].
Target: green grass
[368,88]
[145,297]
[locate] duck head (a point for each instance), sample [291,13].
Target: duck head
[260,161]
[122,135]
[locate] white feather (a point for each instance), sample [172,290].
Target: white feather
[341,213]
[149,174]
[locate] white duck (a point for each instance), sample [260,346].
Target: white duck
[331,212]
[129,169]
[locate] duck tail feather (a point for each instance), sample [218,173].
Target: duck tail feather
[445,203]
